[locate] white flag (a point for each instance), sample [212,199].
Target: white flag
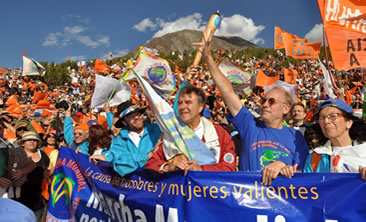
[242,81]
[103,89]
[289,88]
[32,68]
[155,71]
[328,86]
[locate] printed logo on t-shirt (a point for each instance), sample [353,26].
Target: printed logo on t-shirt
[270,156]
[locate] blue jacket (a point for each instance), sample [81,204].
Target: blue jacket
[126,157]
[69,137]
[110,119]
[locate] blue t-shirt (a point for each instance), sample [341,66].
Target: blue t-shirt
[262,145]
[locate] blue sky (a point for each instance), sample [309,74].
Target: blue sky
[53,30]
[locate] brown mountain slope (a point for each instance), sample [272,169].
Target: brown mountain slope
[182,40]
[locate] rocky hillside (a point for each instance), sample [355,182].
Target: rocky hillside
[182,40]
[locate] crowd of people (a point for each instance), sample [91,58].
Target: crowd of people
[266,132]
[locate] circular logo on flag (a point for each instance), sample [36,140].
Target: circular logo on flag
[213,151]
[157,74]
[229,158]
[34,67]
[235,79]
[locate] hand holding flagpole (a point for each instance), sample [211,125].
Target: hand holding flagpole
[211,27]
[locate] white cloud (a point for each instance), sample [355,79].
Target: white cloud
[77,58]
[315,34]
[116,53]
[52,39]
[144,25]
[76,18]
[238,25]
[193,22]
[74,33]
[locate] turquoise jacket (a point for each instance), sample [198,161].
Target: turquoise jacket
[125,156]
[69,137]
[110,119]
[323,166]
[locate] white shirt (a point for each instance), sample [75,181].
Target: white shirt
[136,137]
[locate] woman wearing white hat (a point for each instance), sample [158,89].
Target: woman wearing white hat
[31,191]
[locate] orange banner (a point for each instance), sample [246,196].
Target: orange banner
[264,80]
[299,48]
[278,40]
[345,27]
[290,75]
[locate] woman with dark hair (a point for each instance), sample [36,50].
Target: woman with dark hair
[345,150]
[99,142]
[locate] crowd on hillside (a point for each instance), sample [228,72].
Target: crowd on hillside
[36,119]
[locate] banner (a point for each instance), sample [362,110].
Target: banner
[155,71]
[32,68]
[239,79]
[82,191]
[299,48]
[278,40]
[345,26]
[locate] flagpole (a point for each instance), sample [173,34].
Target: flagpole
[115,87]
[327,60]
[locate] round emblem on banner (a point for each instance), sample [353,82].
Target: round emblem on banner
[229,157]
[157,74]
[235,79]
[34,67]
[213,151]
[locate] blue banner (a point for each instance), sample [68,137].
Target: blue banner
[84,191]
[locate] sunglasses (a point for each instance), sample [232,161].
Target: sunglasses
[22,129]
[331,116]
[51,136]
[271,101]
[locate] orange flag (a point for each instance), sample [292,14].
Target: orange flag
[68,59]
[9,134]
[14,110]
[38,127]
[300,48]
[290,75]
[349,94]
[344,23]
[12,101]
[278,40]
[101,66]
[264,80]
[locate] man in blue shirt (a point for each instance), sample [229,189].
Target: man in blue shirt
[267,145]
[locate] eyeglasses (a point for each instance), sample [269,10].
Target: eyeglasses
[78,134]
[331,116]
[22,129]
[271,101]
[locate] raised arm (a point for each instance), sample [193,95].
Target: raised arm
[223,84]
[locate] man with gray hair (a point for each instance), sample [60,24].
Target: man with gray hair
[267,145]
